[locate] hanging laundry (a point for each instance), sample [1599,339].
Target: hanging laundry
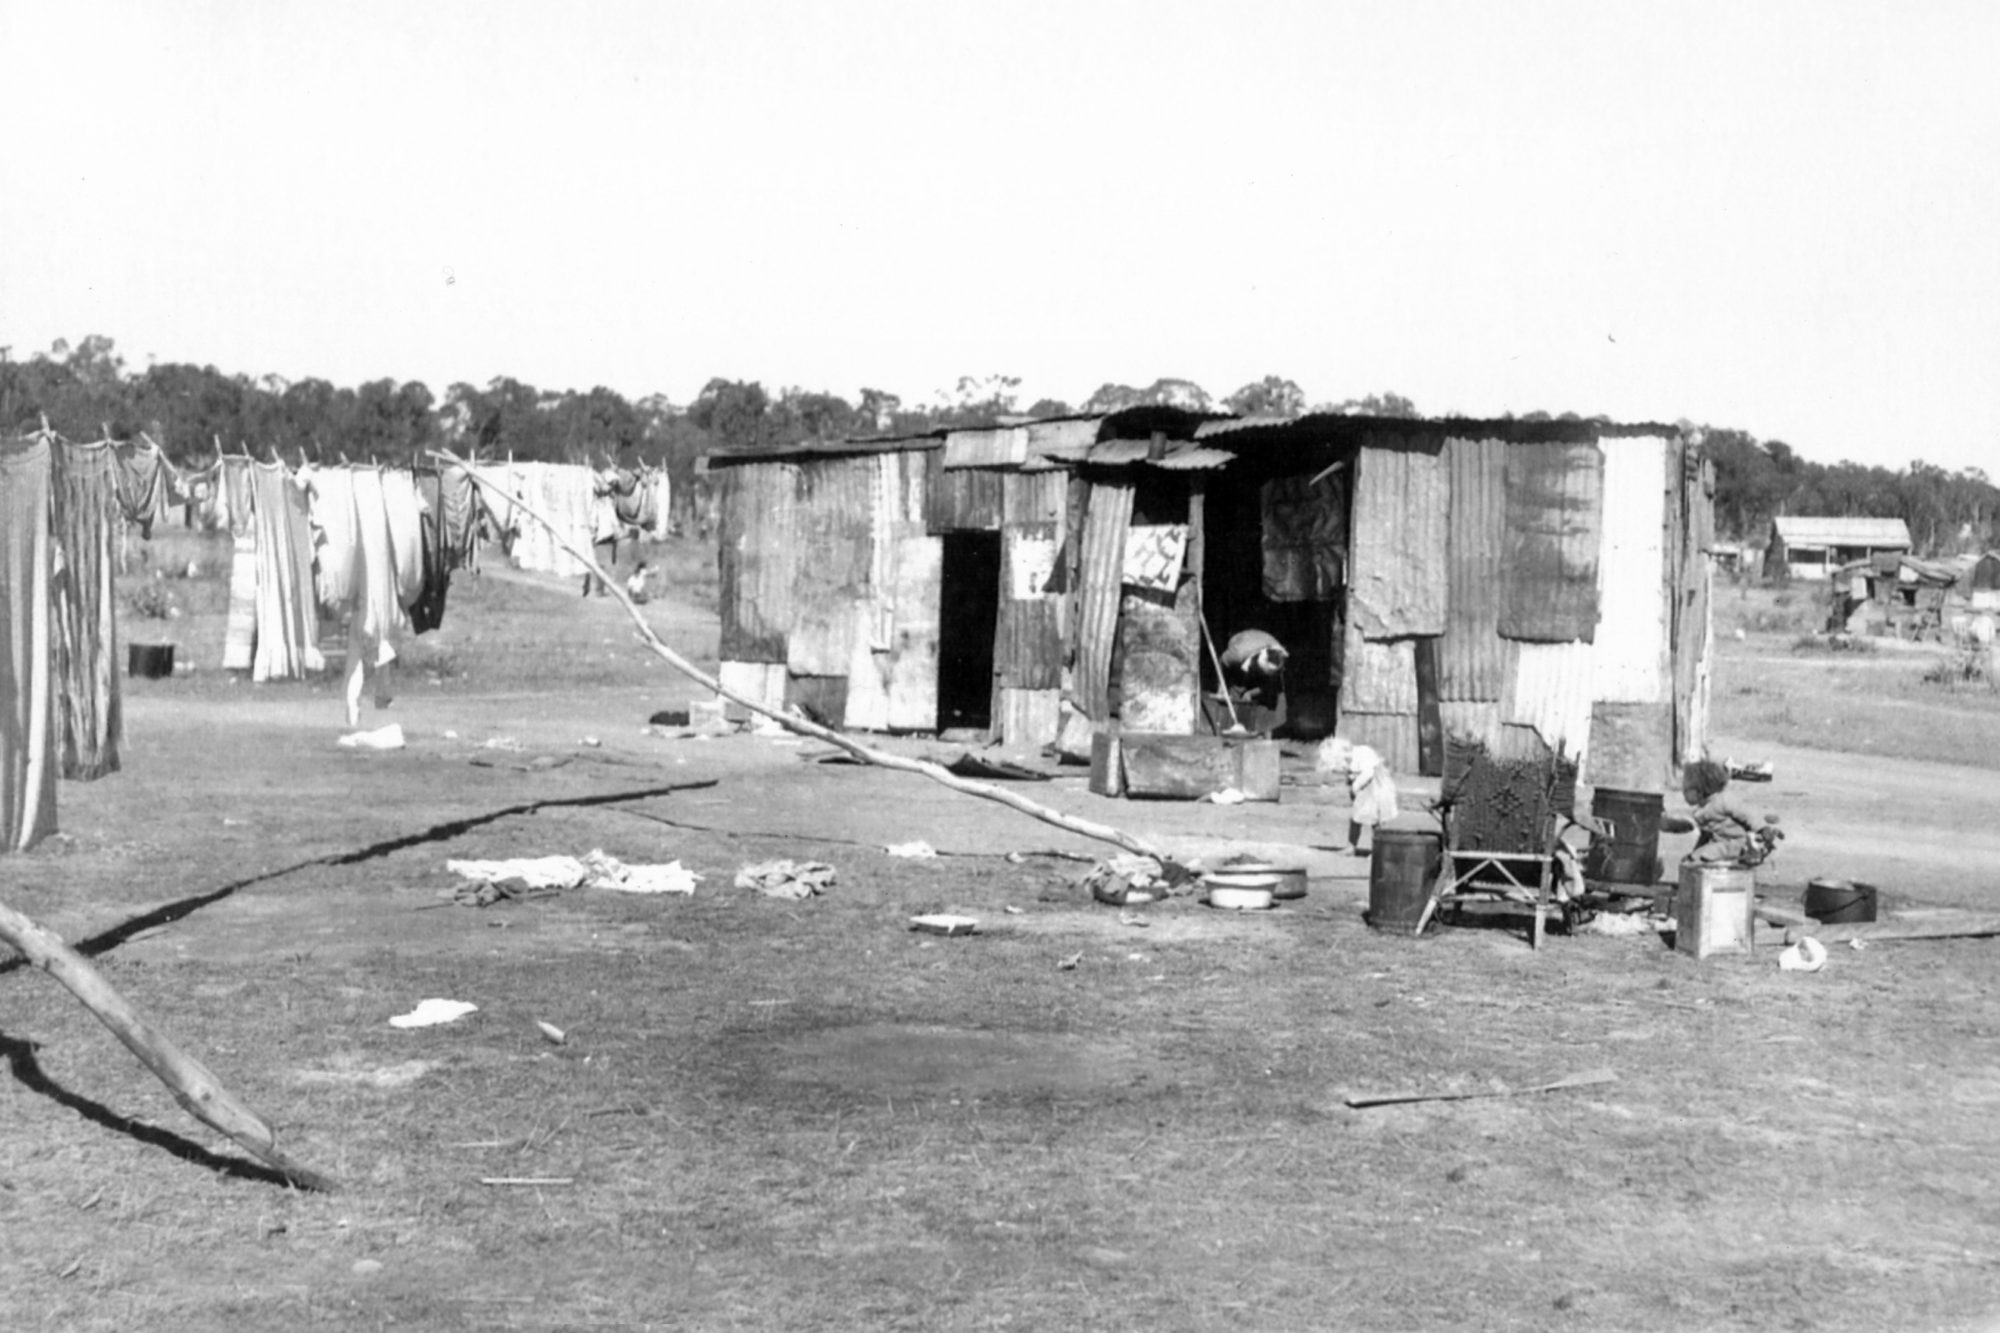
[378,619]
[84,602]
[405,509]
[27,651]
[239,638]
[330,493]
[427,612]
[287,613]
[458,516]
[145,484]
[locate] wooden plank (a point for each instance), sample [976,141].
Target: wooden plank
[1430,724]
[1963,925]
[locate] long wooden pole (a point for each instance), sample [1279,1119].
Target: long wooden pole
[199,1092]
[866,754]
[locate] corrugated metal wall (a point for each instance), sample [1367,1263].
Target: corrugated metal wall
[1634,586]
[1472,658]
[1398,585]
[757,544]
[1100,574]
[1553,536]
[961,499]
[836,508]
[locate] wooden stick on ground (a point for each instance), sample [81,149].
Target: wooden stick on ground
[936,773]
[197,1090]
[1959,925]
[1583,1080]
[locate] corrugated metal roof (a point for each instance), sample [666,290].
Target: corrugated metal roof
[1005,446]
[1809,531]
[1195,459]
[1230,425]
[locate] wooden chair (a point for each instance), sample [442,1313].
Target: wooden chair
[1504,828]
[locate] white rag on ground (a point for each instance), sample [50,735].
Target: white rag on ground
[596,871]
[786,879]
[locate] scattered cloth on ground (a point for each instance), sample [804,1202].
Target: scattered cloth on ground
[529,876]
[1004,770]
[430,1013]
[1127,881]
[1808,955]
[786,879]
[1620,924]
[382,738]
[1227,796]
[608,872]
[918,849]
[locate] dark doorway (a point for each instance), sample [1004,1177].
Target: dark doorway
[968,612]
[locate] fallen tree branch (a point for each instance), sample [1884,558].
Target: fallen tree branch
[1940,927]
[881,758]
[197,1090]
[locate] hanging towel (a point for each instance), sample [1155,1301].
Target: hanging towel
[85,602]
[335,550]
[287,636]
[27,650]
[143,485]
[379,618]
[239,639]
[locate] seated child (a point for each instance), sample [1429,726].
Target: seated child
[635,587]
[1727,831]
[1369,787]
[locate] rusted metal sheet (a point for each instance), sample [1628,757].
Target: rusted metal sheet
[1033,497]
[1476,722]
[1062,441]
[1159,679]
[1548,576]
[1631,746]
[1027,647]
[1635,590]
[836,507]
[1028,719]
[1471,658]
[962,499]
[1100,572]
[1187,458]
[1378,677]
[867,707]
[1398,584]
[1693,630]
[758,543]
[1001,446]
[1551,691]
[912,667]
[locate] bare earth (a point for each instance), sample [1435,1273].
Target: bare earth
[803,1115]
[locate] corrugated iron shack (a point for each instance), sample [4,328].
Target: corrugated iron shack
[1533,586]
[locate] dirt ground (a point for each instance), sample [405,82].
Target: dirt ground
[771,1114]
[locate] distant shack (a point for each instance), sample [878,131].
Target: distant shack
[1532,587]
[1813,548]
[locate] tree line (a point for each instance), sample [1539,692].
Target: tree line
[85,391]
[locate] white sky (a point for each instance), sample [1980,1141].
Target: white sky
[1779,216]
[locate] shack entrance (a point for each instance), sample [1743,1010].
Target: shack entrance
[968,613]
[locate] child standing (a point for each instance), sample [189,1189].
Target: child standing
[1371,791]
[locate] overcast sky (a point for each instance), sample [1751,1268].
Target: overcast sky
[1783,217]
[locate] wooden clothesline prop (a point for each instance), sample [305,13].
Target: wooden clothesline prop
[866,754]
[199,1092]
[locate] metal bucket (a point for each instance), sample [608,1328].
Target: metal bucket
[1631,855]
[1401,875]
[1837,901]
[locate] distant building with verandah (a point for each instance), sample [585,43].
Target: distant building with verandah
[1813,548]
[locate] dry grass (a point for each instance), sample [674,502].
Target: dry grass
[803,1116]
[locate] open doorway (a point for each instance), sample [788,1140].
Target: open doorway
[968,614]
